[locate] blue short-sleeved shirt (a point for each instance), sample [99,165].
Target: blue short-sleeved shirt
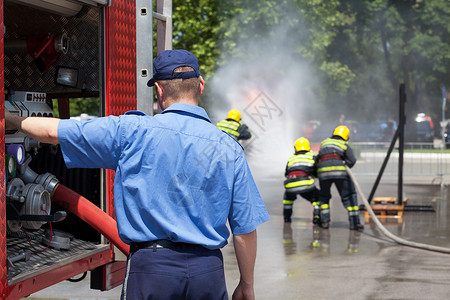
[178,176]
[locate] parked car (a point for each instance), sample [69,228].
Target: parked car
[420,130]
[370,132]
[321,132]
[447,135]
[358,132]
[308,128]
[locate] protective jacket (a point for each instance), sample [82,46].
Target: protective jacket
[334,154]
[236,129]
[299,171]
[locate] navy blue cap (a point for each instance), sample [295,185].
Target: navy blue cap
[167,61]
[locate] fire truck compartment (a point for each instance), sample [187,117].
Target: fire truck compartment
[40,262]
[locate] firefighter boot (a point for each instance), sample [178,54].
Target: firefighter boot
[316,213]
[354,222]
[287,213]
[324,216]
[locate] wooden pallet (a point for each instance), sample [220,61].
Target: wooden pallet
[385,208]
[387,200]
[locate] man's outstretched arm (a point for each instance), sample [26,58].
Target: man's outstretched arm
[42,129]
[245,249]
[244,132]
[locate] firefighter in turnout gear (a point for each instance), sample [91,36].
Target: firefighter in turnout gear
[300,170]
[232,125]
[334,154]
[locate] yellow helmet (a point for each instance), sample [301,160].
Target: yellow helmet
[234,114]
[302,144]
[342,131]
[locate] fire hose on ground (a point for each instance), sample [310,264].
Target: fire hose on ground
[385,231]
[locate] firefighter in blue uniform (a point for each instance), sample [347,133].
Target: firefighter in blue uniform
[175,200]
[232,125]
[300,170]
[334,154]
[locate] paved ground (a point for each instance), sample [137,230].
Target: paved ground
[300,261]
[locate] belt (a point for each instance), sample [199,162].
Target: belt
[297,174]
[330,156]
[162,244]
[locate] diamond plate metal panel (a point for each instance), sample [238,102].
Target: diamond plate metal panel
[21,72]
[3,255]
[110,175]
[40,255]
[120,32]
[120,85]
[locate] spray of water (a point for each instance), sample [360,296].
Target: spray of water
[271,86]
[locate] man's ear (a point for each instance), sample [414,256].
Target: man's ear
[160,95]
[159,90]
[202,86]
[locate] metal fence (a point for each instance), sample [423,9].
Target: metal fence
[420,160]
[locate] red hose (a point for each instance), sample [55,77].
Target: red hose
[91,214]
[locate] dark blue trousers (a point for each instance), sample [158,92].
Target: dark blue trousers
[345,187]
[181,274]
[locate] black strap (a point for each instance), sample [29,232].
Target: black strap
[162,243]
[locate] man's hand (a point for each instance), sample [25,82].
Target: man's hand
[244,292]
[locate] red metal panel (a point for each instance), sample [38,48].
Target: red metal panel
[108,276]
[120,57]
[120,50]
[3,271]
[39,282]
[120,96]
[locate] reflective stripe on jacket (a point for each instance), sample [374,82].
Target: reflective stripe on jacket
[301,162]
[299,168]
[230,127]
[332,157]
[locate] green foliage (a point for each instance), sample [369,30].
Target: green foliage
[360,50]
[79,106]
[340,75]
[197,26]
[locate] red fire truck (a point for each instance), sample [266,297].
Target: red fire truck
[56,223]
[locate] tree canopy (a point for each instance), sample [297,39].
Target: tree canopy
[341,56]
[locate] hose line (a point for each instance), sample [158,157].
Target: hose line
[91,214]
[385,231]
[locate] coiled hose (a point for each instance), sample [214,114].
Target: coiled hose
[385,231]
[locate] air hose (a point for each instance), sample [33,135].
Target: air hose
[385,231]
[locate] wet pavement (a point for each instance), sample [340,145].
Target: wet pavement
[302,261]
